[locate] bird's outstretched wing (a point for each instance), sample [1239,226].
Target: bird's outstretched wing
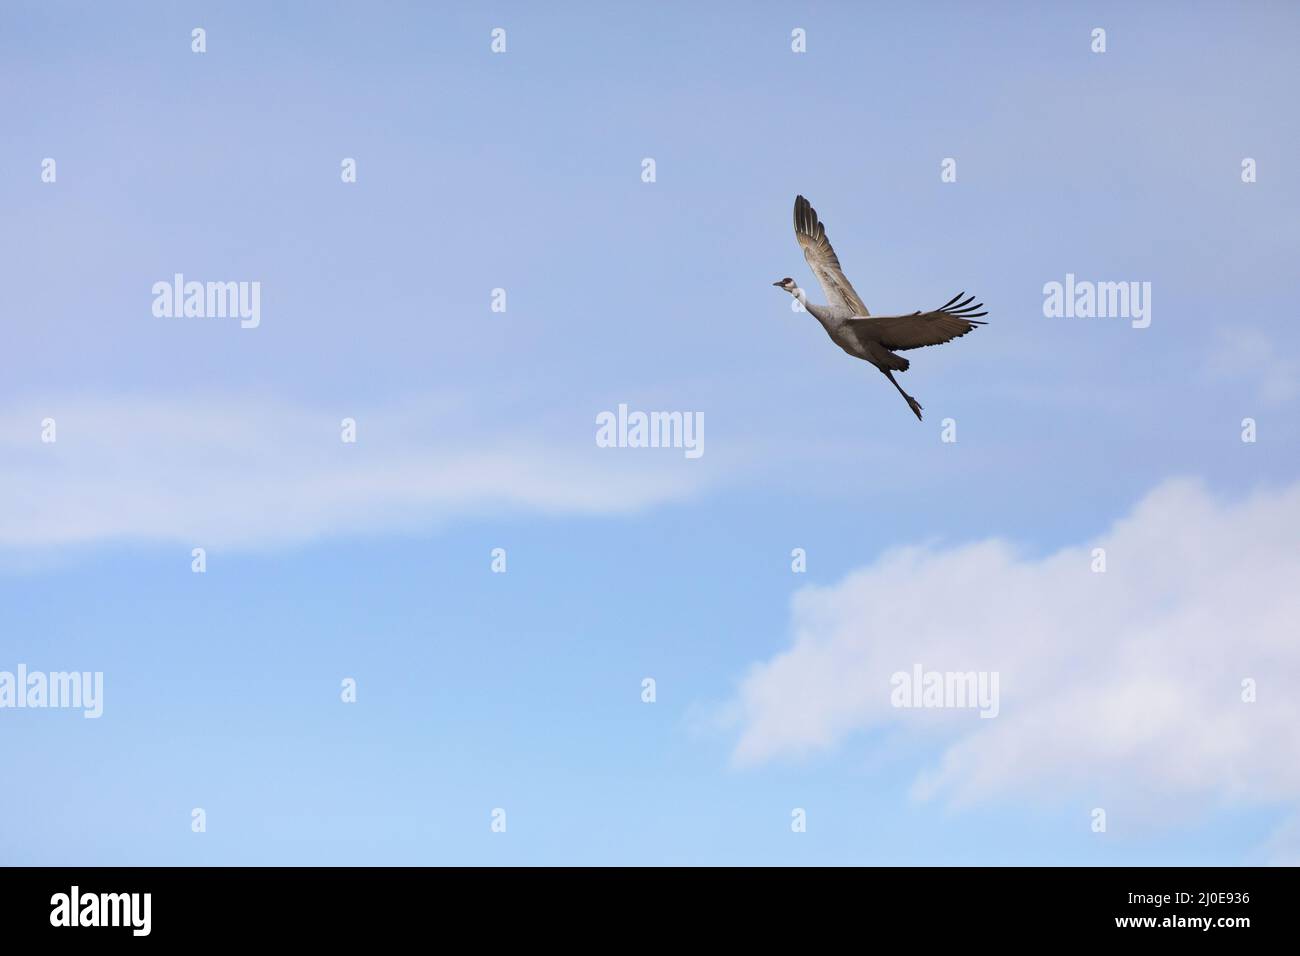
[901,332]
[821,256]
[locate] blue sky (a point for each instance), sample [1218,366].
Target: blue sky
[522,690]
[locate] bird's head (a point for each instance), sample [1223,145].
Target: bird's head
[787,284]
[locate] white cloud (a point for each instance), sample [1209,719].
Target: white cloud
[247,472]
[1250,356]
[1125,684]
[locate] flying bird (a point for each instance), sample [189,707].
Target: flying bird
[872,338]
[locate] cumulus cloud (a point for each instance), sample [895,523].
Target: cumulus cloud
[1127,681]
[243,471]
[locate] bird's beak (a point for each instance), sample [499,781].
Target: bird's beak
[776,283]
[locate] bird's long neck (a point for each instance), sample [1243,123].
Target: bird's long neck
[821,313]
[799,294]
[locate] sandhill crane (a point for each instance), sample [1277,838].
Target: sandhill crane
[846,320]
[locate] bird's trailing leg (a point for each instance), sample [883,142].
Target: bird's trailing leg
[912,403]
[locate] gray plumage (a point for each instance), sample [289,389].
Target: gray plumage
[846,320]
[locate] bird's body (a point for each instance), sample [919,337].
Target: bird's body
[835,320]
[874,339]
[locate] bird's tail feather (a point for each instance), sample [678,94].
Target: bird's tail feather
[894,362]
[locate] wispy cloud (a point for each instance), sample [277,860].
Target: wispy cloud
[1124,682]
[1249,355]
[241,471]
